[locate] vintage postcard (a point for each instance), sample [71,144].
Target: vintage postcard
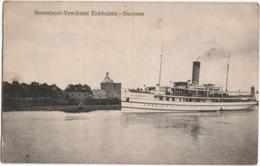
[130,82]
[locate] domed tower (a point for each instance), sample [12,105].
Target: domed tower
[107,78]
[113,90]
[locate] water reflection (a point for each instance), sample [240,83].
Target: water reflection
[75,117]
[170,122]
[72,118]
[131,138]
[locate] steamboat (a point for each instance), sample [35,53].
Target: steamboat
[187,96]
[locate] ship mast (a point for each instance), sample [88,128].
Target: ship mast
[160,67]
[227,73]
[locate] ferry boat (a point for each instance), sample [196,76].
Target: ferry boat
[187,96]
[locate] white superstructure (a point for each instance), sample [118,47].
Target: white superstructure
[137,101]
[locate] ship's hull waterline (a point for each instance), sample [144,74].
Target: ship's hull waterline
[170,106]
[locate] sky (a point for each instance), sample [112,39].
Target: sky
[66,50]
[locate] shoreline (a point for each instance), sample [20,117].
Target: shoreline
[68,108]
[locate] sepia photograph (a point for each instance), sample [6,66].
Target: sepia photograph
[130,82]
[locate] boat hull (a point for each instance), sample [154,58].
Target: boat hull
[171,106]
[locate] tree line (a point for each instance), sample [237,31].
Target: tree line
[37,90]
[20,96]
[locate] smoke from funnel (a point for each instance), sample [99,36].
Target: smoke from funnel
[212,54]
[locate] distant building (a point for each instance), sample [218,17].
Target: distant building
[113,90]
[78,92]
[78,95]
[99,94]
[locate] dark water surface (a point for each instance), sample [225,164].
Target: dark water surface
[143,138]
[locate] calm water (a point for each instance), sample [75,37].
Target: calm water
[115,137]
